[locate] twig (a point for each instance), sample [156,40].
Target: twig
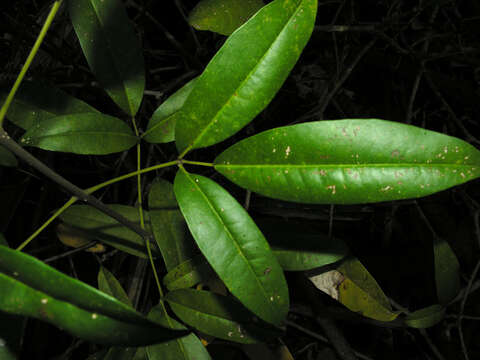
[328,95]
[336,338]
[11,145]
[321,338]
[462,309]
[71,252]
[449,109]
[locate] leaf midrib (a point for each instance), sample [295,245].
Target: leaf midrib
[76,133]
[112,57]
[372,165]
[247,78]
[232,238]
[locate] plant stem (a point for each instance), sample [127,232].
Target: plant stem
[11,145]
[197,163]
[46,223]
[140,210]
[33,52]
[89,191]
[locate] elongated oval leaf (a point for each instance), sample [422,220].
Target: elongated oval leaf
[425,317]
[189,273]
[447,271]
[168,225]
[86,133]
[222,16]
[109,284]
[218,316]
[233,245]
[111,48]
[245,73]
[349,161]
[32,288]
[187,347]
[299,248]
[36,101]
[100,226]
[161,127]
[7,158]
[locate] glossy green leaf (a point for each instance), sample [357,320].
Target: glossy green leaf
[11,329]
[245,73]
[32,288]
[447,271]
[168,225]
[349,162]
[7,158]
[100,226]
[111,48]
[161,127]
[298,248]
[36,101]
[218,316]
[87,133]
[189,273]
[188,347]
[233,245]
[426,317]
[109,284]
[222,16]
[361,293]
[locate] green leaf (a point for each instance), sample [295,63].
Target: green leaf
[222,16]
[349,162]
[12,328]
[109,284]
[361,293]
[189,273]
[298,248]
[185,348]
[36,101]
[111,48]
[7,158]
[425,317]
[233,245]
[447,271]
[168,225]
[161,127]
[32,288]
[87,133]
[100,226]
[218,316]
[245,73]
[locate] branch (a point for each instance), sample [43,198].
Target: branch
[24,155]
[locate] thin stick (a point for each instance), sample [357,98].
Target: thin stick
[11,145]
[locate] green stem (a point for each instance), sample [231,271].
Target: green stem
[28,62]
[57,213]
[197,163]
[129,175]
[91,190]
[140,210]
[11,145]
[184,152]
